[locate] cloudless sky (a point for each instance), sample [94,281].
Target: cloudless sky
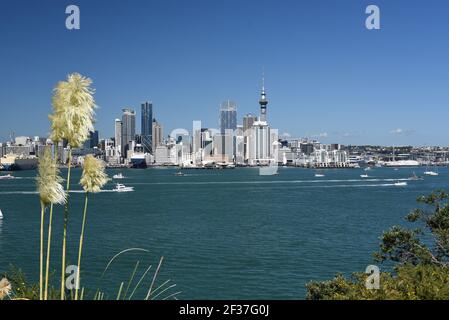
[327,76]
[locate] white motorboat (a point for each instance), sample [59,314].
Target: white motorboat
[118,176]
[6,177]
[431,173]
[1,215]
[400,184]
[179,174]
[122,188]
[319,175]
[364,176]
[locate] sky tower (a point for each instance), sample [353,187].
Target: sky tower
[263,102]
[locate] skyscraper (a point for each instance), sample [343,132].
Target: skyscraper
[128,129]
[118,135]
[92,141]
[147,126]
[248,121]
[158,134]
[228,116]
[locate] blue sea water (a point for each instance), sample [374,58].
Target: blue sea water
[224,234]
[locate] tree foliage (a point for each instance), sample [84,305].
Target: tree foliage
[420,257]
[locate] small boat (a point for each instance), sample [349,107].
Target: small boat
[400,184]
[6,177]
[179,174]
[364,176]
[367,169]
[415,177]
[118,176]
[431,173]
[1,215]
[319,174]
[122,188]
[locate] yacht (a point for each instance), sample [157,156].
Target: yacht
[118,176]
[122,188]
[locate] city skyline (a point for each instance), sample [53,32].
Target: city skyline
[346,84]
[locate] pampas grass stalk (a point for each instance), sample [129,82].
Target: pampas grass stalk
[92,180]
[66,221]
[47,267]
[41,255]
[50,192]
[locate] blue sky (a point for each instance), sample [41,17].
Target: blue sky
[327,76]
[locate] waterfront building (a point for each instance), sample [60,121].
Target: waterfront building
[223,144]
[239,145]
[128,130]
[147,126]
[118,136]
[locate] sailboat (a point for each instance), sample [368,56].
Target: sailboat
[415,177]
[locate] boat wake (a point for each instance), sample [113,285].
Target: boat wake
[277,182]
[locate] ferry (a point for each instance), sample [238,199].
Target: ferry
[13,162]
[138,158]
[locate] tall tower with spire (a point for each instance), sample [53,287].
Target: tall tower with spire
[263,102]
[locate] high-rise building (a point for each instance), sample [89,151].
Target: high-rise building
[118,135]
[92,141]
[248,121]
[228,116]
[147,126]
[128,130]
[157,135]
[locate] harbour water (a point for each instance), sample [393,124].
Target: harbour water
[224,234]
